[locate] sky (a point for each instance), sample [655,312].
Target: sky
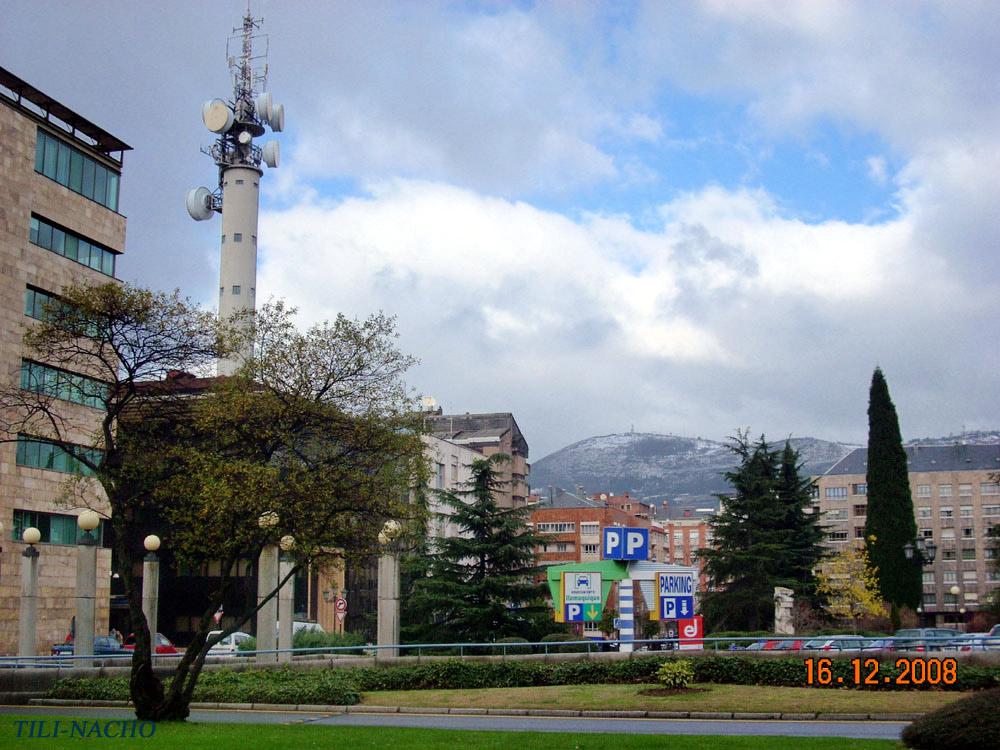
[677,217]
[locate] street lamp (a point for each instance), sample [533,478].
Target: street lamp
[26,640]
[388,589]
[151,586]
[86,584]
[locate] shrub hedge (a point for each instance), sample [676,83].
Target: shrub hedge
[972,723]
[341,686]
[675,673]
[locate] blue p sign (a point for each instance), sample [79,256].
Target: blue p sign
[626,543]
[574,613]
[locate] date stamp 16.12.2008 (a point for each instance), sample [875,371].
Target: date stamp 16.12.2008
[903,672]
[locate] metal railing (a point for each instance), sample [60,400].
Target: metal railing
[845,644]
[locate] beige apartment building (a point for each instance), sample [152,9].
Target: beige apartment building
[59,223]
[956,500]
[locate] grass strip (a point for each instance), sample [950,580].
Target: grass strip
[213,736]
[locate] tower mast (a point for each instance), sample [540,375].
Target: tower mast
[237,197]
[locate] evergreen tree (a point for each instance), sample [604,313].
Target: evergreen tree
[889,524]
[480,585]
[763,538]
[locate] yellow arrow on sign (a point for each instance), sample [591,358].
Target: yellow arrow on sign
[592,612]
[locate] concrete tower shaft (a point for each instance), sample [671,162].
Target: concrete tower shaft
[238,269]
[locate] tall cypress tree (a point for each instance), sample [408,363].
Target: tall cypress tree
[890,506]
[478,586]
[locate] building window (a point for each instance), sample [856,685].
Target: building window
[837,536]
[968,576]
[950,599]
[989,488]
[990,553]
[836,492]
[73,169]
[236,288]
[991,510]
[39,453]
[439,477]
[859,532]
[947,535]
[561,547]
[965,490]
[861,510]
[923,490]
[969,553]
[967,532]
[930,600]
[559,527]
[928,577]
[35,301]
[948,554]
[859,489]
[966,511]
[927,533]
[590,549]
[950,576]
[947,511]
[590,529]
[837,515]
[56,528]
[924,512]
[237,236]
[64,385]
[71,245]
[239,182]
[944,490]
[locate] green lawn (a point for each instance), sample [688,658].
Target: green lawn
[714,698]
[192,736]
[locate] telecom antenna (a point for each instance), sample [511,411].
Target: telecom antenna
[237,197]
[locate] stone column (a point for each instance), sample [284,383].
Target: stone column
[388,602]
[151,594]
[27,635]
[86,596]
[267,616]
[286,609]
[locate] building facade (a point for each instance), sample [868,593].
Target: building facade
[956,501]
[60,176]
[488,434]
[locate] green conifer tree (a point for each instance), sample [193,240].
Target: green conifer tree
[479,586]
[805,534]
[889,524]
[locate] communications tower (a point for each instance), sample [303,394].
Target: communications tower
[237,197]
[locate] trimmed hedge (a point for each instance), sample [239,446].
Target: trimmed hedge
[341,686]
[286,686]
[972,723]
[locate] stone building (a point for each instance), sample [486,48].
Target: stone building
[956,500]
[59,224]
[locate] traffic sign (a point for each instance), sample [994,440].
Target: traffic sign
[675,595]
[621,543]
[581,596]
[675,607]
[582,613]
[340,605]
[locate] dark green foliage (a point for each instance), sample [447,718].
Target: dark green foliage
[479,586]
[890,507]
[567,648]
[287,686]
[309,638]
[972,723]
[502,650]
[763,538]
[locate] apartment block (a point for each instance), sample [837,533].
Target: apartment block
[60,176]
[956,501]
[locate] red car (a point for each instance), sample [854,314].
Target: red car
[163,644]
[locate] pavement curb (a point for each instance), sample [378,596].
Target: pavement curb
[549,712]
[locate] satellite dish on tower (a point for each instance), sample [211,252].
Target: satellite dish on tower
[263,105]
[272,154]
[199,203]
[277,118]
[218,117]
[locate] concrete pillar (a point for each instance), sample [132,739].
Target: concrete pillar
[388,604]
[626,614]
[267,616]
[151,594]
[86,596]
[27,635]
[286,608]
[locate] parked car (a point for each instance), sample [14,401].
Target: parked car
[104,645]
[876,644]
[995,631]
[228,646]
[789,644]
[163,644]
[973,642]
[845,643]
[922,639]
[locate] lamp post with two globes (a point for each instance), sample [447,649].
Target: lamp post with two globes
[923,553]
[28,621]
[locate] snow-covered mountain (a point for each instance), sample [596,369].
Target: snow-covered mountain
[649,465]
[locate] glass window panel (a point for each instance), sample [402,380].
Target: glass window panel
[45,235]
[51,155]
[87,188]
[75,170]
[108,264]
[100,184]
[112,201]
[95,257]
[33,232]
[58,241]
[83,252]
[62,530]
[62,164]
[71,246]
[40,151]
